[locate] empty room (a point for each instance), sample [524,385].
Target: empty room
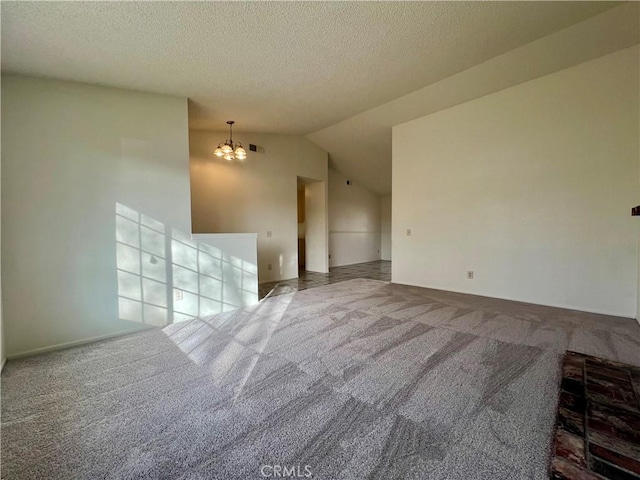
[332,240]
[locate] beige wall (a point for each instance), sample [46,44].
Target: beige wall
[354,222]
[81,165]
[530,188]
[2,351]
[257,195]
[316,235]
[385,227]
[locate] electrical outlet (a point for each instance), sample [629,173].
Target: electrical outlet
[178,294]
[269,236]
[470,275]
[408,232]
[270,267]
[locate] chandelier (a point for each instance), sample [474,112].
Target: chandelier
[228,150]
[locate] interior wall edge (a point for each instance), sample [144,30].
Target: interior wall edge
[75,343]
[573,308]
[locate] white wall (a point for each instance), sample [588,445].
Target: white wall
[354,222]
[256,195]
[238,262]
[96,226]
[316,234]
[2,350]
[530,188]
[385,227]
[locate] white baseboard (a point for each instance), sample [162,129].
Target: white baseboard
[279,280]
[523,300]
[76,343]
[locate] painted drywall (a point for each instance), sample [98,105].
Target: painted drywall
[366,137]
[636,203]
[258,194]
[96,227]
[74,157]
[2,350]
[385,227]
[316,237]
[354,222]
[301,211]
[530,188]
[234,257]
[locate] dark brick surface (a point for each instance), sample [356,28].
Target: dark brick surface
[570,421]
[605,395]
[614,458]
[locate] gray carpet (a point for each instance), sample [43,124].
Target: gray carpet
[356,380]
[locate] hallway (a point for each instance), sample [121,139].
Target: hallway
[378,270]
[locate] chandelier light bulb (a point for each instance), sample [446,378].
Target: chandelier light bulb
[228,150]
[240,151]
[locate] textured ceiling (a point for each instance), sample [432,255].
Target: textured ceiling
[285,67]
[360,146]
[278,67]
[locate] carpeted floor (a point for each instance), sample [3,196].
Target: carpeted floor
[354,380]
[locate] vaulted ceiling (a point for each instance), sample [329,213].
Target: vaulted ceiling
[309,68]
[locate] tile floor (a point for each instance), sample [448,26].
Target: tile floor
[598,420]
[378,270]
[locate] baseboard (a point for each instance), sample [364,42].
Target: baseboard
[76,343]
[377,259]
[4,360]
[262,282]
[280,280]
[523,300]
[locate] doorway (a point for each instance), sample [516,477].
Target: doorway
[301,227]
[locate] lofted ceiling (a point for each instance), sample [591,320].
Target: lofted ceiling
[360,146]
[306,68]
